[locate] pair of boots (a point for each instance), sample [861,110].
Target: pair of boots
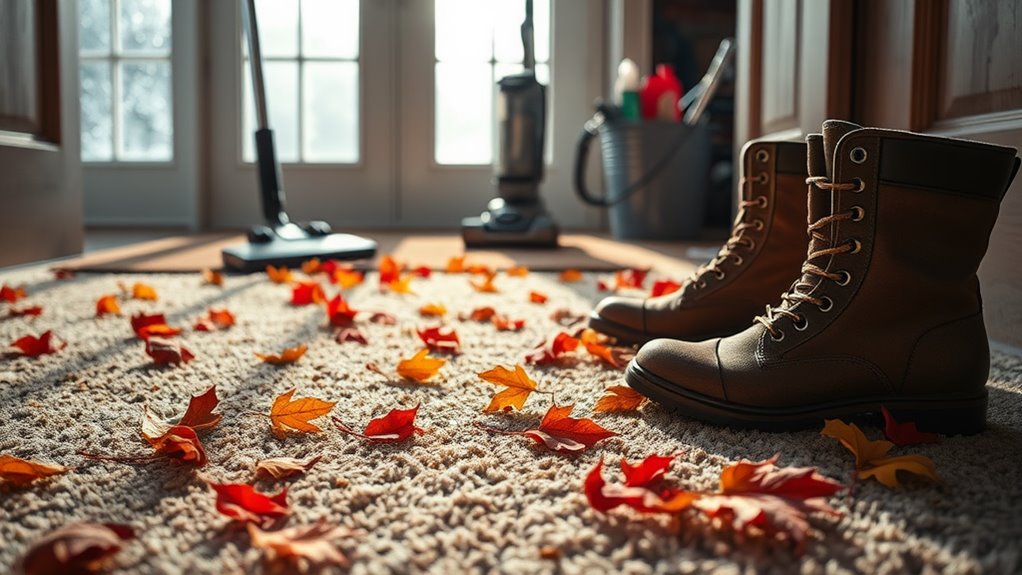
[881,303]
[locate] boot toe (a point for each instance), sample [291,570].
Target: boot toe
[623,311]
[688,366]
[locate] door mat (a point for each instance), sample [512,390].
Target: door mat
[586,252]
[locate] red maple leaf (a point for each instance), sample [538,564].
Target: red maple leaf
[141,320]
[905,433]
[339,312]
[33,346]
[637,491]
[398,425]
[440,338]
[559,432]
[307,292]
[551,349]
[242,502]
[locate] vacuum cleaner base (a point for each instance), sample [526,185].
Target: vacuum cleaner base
[542,233]
[252,257]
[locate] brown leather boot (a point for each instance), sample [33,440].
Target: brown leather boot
[887,310]
[761,257]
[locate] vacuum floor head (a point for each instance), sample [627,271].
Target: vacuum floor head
[510,225]
[251,257]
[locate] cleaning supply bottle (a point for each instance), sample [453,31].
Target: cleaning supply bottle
[626,89]
[659,95]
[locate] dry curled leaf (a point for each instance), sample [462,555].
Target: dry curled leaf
[594,344]
[21,472]
[216,319]
[537,297]
[382,318]
[346,277]
[141,291]
[560,432]
[339,312]
[432,310]
[11,294]
[455,265]
[75,549]
[397,425]
[619,398]
[212,277]
[517,271]
[289,355]
[440,338]
[905,433]
[570,275]
[294,415]
[199,416]
[642,489]
[351,334]
[486,285]
[390,270]
[307,293]
[283,467]
[552,348]
[140,321]
[484,313]
[279,275]
[420,367]
[180,443]
[241,502]
[871,459]
[32,346]
[312,544]
[167,352]
[519,387]
[33,311]
[107,305]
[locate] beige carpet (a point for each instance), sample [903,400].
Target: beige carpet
[455,499]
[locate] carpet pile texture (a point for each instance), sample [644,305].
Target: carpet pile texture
[455,499]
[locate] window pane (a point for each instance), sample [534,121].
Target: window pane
[330,28]
[94,25]
[278,28]
[507,30]
[330,112]
[464,113]
[464,30]
[282,98]
[97,102]
[145,25]
[541,23]
[146,128]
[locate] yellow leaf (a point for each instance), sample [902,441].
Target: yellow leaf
[855,441]
[420,367]
[401,285]
[519,387]
[295,415]
[21,472]
[348,278]
[619,398]
[885,470]
[289,355]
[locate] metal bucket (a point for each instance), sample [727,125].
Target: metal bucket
[656,176]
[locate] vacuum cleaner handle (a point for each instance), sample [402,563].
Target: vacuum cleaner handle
[585,140]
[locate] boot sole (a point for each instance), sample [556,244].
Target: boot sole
[622,333]
[957,416]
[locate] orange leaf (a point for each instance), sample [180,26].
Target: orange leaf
[537,297]
[440,338]
[21,472]
[664,287]
[339,312]
[592,342]
[432,310]
[32,346]
[165,351]
[279,275]
[180,443]
[11,294]
[283,467]
[142,291]
[311,266]
[158,330]
[871,458]
[619,398]
[485,286]
[402,285]
[484,313]
[397,425]
[570,275]
[107,305]
[216,319]
[306,293]
[905,433]
[25,311]
[199,416]
[141,320]
[456,265]
[550,350]
[78,548]
[242,502]
[637,491]
[289,355]
[347,278]
[390,271]
[774,500]
[305,544]
[504,323]
[517,271]
[519,387]
[212,277]
[420,367]
[288,415]
[559,432]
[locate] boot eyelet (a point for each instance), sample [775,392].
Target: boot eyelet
[762,155]
[751,244]
[858,155]
[761,201]
[826,304]
[845,278]
[778,337]
[719,274]
[701,284]
[859,185]
[801,324]
[858,213]
[739,260]
[856,246]
[759,225]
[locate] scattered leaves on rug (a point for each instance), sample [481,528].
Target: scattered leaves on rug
[283,467]
[289,355]
[397,425]
[32,346]
[294,415]
[871,458]
[618,399]
[305,544]
[78,548]
[241,502]
[21,472]
[420,367]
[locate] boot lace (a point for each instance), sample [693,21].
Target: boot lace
[799,291]
[737,240]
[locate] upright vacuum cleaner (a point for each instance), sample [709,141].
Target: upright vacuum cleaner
[281,241]
[517,216]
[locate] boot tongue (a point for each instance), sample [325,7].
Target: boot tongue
[833,131]
[819,200]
